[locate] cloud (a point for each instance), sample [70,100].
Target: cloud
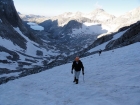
[97,5]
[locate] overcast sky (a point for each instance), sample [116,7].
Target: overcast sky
[55,7]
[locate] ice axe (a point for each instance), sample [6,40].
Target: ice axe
[83,78]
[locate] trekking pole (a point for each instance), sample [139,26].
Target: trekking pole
[83,79]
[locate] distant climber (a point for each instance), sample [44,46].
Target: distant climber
[77,66]
[100,51]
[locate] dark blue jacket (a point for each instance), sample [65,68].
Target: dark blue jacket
[77,66]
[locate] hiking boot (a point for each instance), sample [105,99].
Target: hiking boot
[74,79]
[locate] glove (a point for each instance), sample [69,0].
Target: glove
[83,73]
[71,71]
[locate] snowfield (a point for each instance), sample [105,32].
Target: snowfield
[102,46]
[92,28]
[110,79]
[9,44]
[0,21]
[35,26]
[32,47]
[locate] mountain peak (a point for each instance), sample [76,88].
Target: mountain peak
[99,10]
[19,13]
[135,10]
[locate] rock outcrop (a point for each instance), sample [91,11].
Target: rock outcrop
[129,37]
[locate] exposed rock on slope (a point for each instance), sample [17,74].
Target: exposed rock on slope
[19,48]
[129,37]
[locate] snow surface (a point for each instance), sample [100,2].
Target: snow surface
[22,58]
[88,28]
[93,28]
[32,47]
[100,17]
[31,50]
[35,26]
[110,79]
[68,15]
[3,55]
[102,46]
[118,35]
[8,44]
[0,21]
[10,66]
[9,75]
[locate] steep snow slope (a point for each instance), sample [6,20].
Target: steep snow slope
[91,28]
[110,79]
[31,51]
[32,47]
[19,47]
[103,46]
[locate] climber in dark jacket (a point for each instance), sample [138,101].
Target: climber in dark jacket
[77,66]
[100,51]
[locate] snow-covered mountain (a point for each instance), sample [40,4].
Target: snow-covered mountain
[125,36]
[100,15]
[20,49]
[97,16]
[128,18]
[40,43]
[30,16]
[69,29]
[107,81]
